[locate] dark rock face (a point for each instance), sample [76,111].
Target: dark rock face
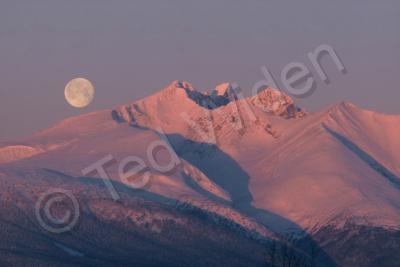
[117,116]
[126,114]
[221,96]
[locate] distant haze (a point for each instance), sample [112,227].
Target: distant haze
[130,49]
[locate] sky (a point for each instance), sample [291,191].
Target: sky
[130,49]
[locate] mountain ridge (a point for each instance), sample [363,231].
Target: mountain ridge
[270,167]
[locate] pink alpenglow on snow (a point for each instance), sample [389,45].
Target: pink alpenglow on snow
[257,169]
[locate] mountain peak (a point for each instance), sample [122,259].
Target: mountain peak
[179,87]
[183,96]
[277,102]
[181,84]
[223,89]
[220,96]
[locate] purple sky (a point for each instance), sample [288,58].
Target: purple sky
[130,49]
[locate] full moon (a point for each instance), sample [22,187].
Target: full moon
[79,92]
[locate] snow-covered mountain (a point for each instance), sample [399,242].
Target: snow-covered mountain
[261,165]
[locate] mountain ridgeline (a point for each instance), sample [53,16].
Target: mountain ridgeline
[258,181]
